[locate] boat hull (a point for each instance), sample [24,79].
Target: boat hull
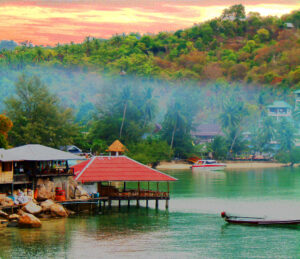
[209,167]
[262,222]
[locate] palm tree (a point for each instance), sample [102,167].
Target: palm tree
[125,96]
[149,106]
[176,121]
[231,120]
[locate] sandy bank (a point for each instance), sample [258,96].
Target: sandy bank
[230,165]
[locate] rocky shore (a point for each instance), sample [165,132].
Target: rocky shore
[29,214]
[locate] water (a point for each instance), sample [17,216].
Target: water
[192,228]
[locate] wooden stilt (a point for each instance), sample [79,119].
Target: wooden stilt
[138,203]
[167,204]
[128,204]
[156,204]
[109,203]
[147,204]
[119,204]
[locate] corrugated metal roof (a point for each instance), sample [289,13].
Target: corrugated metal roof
[279,104]
[36,152]
[117,168]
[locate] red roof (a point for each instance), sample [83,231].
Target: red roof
[116,168]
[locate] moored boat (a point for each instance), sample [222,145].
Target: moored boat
[208,165]
[258,220]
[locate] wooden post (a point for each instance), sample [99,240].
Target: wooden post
[139,188]
[138,203]
[109,203]
[128,204]
[147,204]
[168,187]
[167,204]
[156,204]
[119,204]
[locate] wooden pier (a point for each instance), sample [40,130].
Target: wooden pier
[106,202]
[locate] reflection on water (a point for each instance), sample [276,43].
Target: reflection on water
[191,228]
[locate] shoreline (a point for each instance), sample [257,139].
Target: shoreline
[230,165]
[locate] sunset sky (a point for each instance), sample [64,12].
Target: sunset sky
[48,22]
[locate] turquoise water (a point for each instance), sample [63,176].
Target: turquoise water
[192,228]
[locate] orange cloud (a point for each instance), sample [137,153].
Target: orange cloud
[58,21]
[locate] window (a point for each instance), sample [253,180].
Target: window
[7,166]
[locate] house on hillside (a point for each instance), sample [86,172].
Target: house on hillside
[72,149]
[289,25]
[280,109]
[205,133]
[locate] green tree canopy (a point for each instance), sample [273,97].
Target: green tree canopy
[37,115]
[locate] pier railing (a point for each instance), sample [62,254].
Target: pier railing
[113,192]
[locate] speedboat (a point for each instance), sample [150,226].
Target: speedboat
[208,165]
[257,220]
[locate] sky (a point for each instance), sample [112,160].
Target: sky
[48,22]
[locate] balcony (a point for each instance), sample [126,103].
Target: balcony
[55,172]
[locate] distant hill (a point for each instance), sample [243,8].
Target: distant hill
[8,44]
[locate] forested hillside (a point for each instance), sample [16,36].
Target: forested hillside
[233,47]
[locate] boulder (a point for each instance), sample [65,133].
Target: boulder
[84,197]
[32,208]
[3,214]
[80,192]
[47,204]
[45,189]
[72,187]
[58,210]
[13,217]
[29,221]
[7,202]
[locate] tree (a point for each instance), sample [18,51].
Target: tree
[232,117]
[286,135]
[219,147]
[292,156]
[263,34]
[38,116]
[237,11]
[5,127]
[150,152]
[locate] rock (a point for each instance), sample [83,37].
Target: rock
[29,221]
[70,212]
[3,214]
[7,202]
[80,192]
[72,187]
[32,208]
[21,212]
[45,216]
[58,210]
[47,204]
[45,189]
[84,197]
[13,217]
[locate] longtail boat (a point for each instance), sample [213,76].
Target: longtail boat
[258,220]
